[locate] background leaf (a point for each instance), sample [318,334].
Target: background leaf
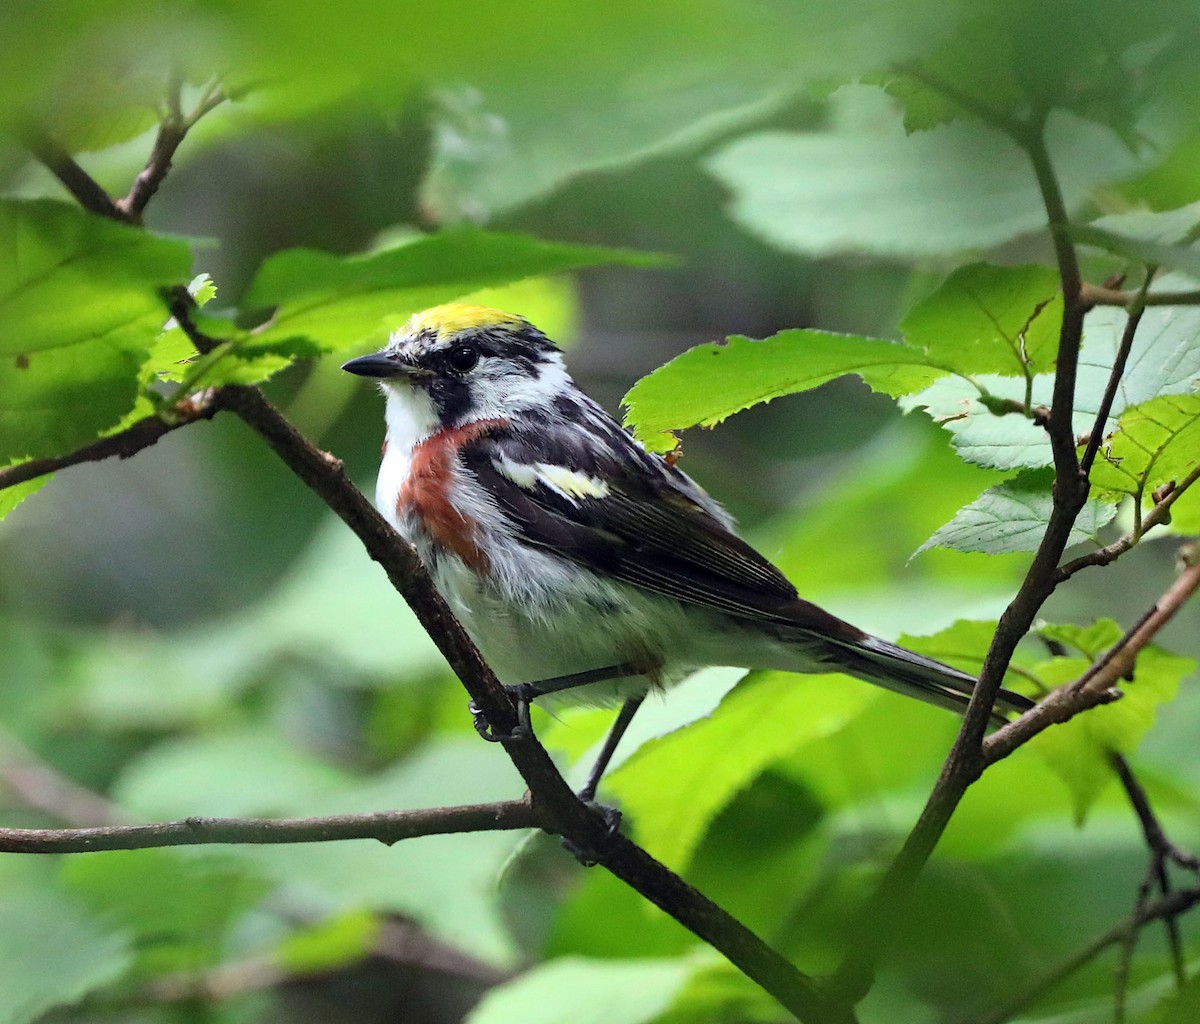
[1013,517]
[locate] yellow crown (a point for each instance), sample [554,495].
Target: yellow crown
[454,317]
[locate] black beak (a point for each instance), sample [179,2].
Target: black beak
[379,365]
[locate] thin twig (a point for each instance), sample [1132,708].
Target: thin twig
[966,760]
[1096,295]
[42,787]
[1096,685]
[66,169]
[122,444]
[385,826]
[1162,852]
[1111,552]
[1177,903]
[1136,308]
[172,130]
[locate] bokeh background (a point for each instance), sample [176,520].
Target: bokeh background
[190,632]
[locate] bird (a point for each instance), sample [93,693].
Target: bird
[584,567]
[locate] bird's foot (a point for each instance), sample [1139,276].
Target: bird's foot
[521,731]
[594,853]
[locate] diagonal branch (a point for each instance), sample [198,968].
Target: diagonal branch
[122,444]
[1096,295]
[1095,686]
[66,169]
[966,761]
[1136,308]
[1170,906]
[1160,513]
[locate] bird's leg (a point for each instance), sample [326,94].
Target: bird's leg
[624,717]
[524,693]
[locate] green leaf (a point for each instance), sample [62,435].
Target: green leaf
[1091,641]
[340,940]
[957,186]
[1149,237]
[1013,516]
[1155,443]
[987,319]
[79,310]
[597,991]
[67,277]
[11,497]
[708,383]
[981,319]
[178,904]
[764,718]
[1164,360]
[52,953]
[1078,751]
[446,882]
[339,301]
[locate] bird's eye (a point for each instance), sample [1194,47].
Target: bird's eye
[463,359]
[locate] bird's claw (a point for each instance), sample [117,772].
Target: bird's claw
[591,855]
[521,731]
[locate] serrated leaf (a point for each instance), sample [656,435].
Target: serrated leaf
[11,497]
[767,716]
[1013,516]
[79,310]
[67,276]
[987,319]
[339,301]
[708,383]
[1155,443]
[1164,360]
[1091,641]
[957,186]
[1079,750]
[598,992]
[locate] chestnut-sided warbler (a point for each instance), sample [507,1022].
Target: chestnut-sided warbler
[579,563]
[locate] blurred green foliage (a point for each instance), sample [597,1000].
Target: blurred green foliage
[188,633]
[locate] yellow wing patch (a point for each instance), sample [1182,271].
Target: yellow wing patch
[569,483]
[447,321]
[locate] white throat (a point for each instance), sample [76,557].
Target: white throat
[409,415]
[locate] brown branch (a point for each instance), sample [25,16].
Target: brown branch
[172,130]
[966,760]
[40,786]
[386,826]
[1111,552]
[122,444]
[1162,853]
[1173,905]
[560,810]
[1096,295]
[74,178]
[1096,685]
[1136,308]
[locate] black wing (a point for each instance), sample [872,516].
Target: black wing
[618,510]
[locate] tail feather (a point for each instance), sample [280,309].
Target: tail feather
[904,671]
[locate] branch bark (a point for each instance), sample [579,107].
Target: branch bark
[386,826]
[123,444]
